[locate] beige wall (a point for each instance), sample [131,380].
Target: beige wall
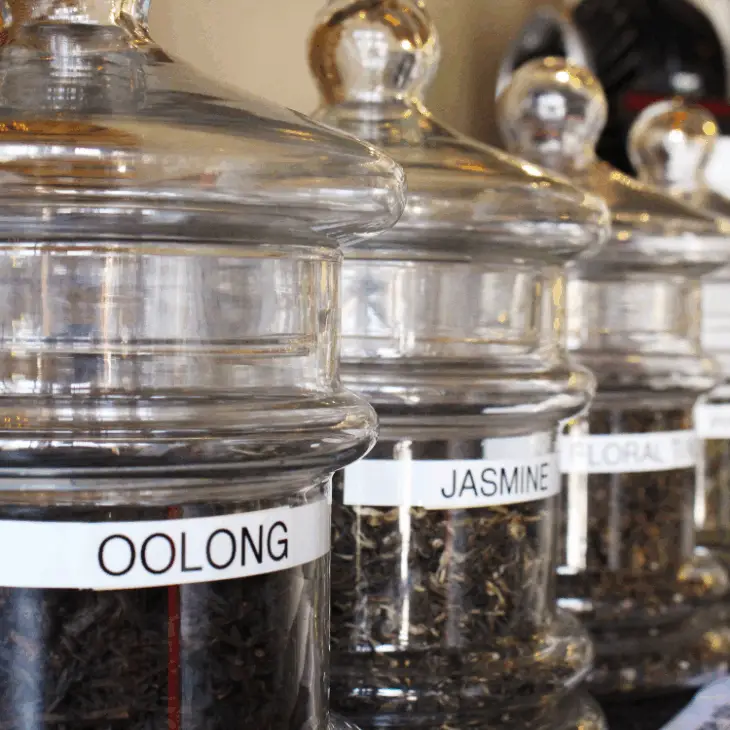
[260,45]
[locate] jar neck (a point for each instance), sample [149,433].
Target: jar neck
[681,186]
[640,333]
[451,312]
[86,12]
[579,161]
[18,15]
[646,313]
[74,56]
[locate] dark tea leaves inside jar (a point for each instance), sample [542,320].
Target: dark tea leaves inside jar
[243,652]
[627,560]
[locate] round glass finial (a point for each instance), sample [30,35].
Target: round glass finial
[670,144]
[367,51]
[553,111]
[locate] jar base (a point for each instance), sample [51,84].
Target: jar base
[510,675]
[668,659]
[575,711]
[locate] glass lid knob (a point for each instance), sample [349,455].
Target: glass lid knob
[670,144]
[373,60]
[373,51]
[553,111]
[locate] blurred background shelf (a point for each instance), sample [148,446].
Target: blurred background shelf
[261,47]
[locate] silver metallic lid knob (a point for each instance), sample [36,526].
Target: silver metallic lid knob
[373,51]
[553,112]
[670,145]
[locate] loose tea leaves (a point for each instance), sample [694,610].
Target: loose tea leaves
[446,614]
[240,653]
[628,566]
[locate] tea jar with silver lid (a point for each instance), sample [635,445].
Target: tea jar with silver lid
[670,145]
[628,565]
[443,603]
[171,407]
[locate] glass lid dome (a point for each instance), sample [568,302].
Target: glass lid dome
[670,145]
[553,113]
[102,133]
[373,62]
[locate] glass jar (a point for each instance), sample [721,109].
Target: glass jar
[670,145]
[171,408]
[443,591]
[628,566]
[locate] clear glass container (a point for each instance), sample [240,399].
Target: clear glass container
[171,409]
[670,145]
[443,590]
[628,566]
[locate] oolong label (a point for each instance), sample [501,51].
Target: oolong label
[628,453]
[451,484]
[127,555]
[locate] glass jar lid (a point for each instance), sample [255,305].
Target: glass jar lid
[670,145]
[553,112]
[373,62]
[102,133]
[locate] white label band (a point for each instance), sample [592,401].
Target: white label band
[709,710]
[123,555]
[628,453]
[712,421]
[451,483]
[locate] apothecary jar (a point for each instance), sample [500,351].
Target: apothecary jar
[671,145]
[628,566]
[443,591]
[171,409]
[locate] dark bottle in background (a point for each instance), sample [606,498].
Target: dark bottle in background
[641,51]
